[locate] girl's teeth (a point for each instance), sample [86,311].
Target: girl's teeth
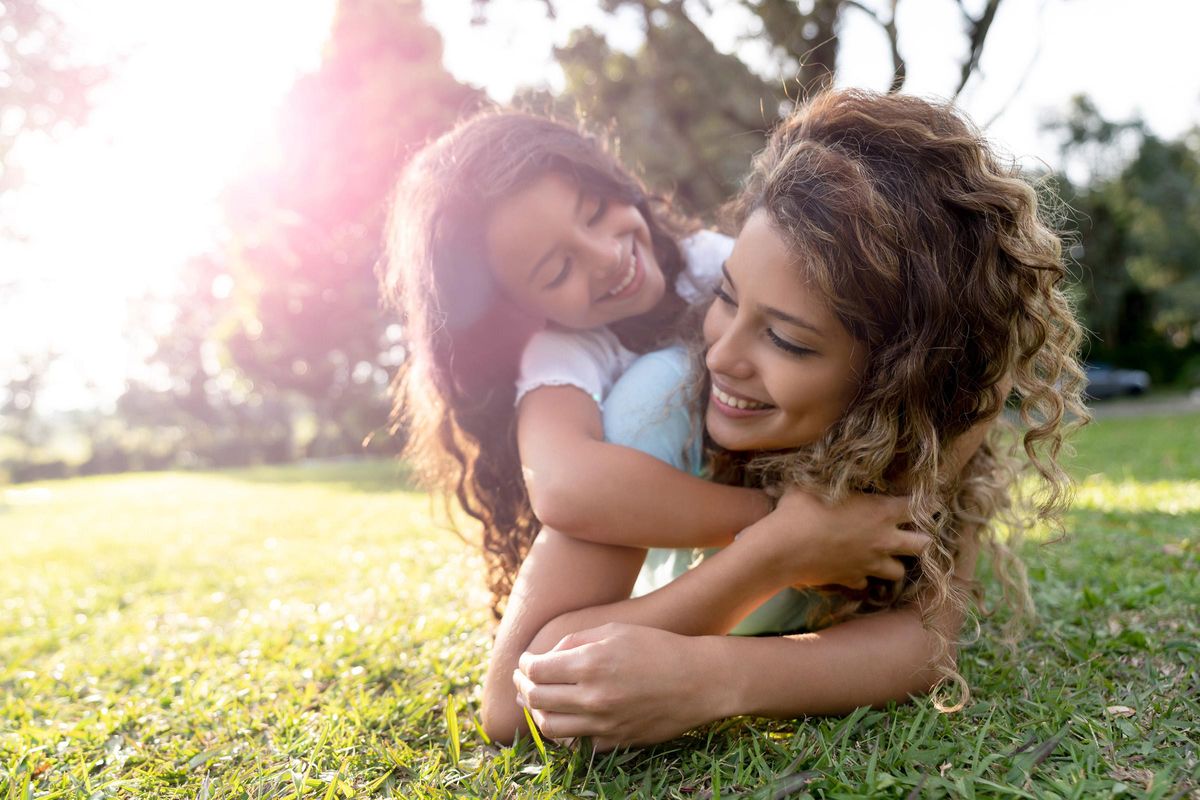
[629,276]
[628,279]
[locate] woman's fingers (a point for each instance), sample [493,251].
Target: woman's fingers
[562,726]
[565,698]
[556,666]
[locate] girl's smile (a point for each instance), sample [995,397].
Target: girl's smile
[576,259]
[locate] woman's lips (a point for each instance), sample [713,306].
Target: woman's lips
[734,405]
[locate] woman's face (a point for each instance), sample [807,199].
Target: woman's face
[783,367]
[574,258]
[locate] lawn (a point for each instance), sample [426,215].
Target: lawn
[312,632]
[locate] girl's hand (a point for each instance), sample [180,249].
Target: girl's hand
[620,684]
[807,542]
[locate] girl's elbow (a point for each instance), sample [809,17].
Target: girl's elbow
[557,507]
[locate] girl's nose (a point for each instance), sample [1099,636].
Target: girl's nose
[601,253]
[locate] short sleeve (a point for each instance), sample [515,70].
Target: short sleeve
[648,409]
[704,252]
[589,360]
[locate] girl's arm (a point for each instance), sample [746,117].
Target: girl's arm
[590,489]
[628,684]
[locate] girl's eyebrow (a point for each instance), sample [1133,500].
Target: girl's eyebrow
[775,313]
[541,262]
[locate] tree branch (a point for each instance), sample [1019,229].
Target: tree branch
[977,31]
[899,68]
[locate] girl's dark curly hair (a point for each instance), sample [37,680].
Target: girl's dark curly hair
[454,394]
[935,255]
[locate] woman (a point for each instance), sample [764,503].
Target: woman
[890,283]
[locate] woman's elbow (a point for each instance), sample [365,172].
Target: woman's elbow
[502,722]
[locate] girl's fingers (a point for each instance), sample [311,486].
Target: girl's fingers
[890,570]
[911,543]
[899,506]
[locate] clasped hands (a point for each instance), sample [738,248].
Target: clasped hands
[632,685]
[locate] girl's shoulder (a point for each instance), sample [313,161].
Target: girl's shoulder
[586,359]
[704,252]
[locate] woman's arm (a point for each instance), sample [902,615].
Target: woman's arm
[630,684]
[593,490]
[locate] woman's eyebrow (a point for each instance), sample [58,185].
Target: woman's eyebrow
[541,262]
[775,313]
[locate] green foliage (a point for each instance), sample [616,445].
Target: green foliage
[1139,224]
[310,632]
[41,85]
[287,314]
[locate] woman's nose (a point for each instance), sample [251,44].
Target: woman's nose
[727,353]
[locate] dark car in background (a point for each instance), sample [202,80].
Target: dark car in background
[1105,380]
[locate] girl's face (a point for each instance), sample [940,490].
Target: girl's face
[783,367]
[572,257]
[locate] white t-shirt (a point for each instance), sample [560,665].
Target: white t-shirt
[593,359]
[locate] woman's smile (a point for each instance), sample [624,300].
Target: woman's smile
[783,367]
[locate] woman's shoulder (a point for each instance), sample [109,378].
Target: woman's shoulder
[649,408]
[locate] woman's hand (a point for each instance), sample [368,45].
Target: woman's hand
[620,684]
[808,542]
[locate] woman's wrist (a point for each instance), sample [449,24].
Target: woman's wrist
[724,680]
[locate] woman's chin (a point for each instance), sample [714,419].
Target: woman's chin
[729,434]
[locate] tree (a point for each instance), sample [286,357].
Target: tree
[1139,238]
[690,115]
[41,86]
[306,231]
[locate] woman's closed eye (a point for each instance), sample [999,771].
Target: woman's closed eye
[724,296]
[788,347]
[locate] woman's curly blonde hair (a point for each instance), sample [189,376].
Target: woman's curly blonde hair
[937,256]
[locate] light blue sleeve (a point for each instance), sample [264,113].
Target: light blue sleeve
[647,409]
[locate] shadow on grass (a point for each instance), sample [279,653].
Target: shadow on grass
[368,476]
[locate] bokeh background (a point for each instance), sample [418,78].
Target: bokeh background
[192,193]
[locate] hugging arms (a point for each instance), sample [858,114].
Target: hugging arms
[666,666]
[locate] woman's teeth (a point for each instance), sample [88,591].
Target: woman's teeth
[628,279]
[737,402]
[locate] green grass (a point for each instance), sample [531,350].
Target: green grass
[310,632]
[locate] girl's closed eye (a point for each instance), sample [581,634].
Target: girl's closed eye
[561,277]
[723,295]
[598,214]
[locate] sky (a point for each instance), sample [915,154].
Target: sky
[110,212]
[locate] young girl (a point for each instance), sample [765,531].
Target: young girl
[530,268]
[891,282]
